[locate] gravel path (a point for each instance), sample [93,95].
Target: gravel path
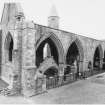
[89,91]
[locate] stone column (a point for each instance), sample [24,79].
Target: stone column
[61,73]
[101,63]
[15,82]
[83,65]
[28,59]
[16,75]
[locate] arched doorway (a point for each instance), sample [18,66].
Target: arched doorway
[74,57]
[98,56]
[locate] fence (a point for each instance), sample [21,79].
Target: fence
[52,82]
[58,81]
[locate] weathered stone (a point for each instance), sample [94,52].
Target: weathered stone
[27,38]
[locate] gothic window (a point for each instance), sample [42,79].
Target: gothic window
[9,47]
[10,50]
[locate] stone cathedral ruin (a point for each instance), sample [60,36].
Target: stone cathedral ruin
[35,58]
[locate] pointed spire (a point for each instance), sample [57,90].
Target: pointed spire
[53,11]
[53,19]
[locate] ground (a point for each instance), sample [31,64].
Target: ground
[89,91]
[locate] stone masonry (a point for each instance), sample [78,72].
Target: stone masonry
[27,36]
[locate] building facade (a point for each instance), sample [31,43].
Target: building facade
[30,51]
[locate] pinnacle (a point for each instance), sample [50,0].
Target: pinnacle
[53,11]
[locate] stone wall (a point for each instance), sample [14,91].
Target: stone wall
[28,59]
[26,37]
[11,71]
[66,38]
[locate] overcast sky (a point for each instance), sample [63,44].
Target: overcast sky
[84,17]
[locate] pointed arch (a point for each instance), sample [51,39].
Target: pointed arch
[101,50]
[74,56]
[98,57]
[57,44]
[99,47]
[8,47]
[79,46]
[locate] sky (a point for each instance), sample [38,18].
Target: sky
[83,17]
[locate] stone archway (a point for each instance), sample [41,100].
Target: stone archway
[55,46]
[75,56]
[40,53]
[98,58]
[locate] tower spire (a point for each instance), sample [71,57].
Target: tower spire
[53,18]
[53,11]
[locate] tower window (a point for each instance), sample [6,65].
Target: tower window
[53,19]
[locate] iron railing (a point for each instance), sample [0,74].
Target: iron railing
[58,81]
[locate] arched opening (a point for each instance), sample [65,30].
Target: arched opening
[46,51]
[96,59]
[9,47]
[51,72]
[72,57]
[10,50]
[104,61]
[40,51]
